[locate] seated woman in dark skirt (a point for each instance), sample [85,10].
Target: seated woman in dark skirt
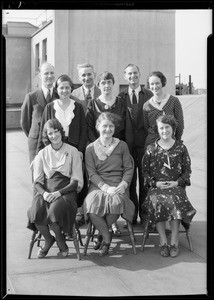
[166,168]
[110,171]
[58,177]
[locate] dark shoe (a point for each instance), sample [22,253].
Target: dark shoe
[63,253]
[174,251]
[42,253]
[115,229]
[134,222]
[80,219]
[104,248]
[164,250]
[98,242]
[125,225]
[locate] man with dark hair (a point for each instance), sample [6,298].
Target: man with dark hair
[33,107]
[135,96]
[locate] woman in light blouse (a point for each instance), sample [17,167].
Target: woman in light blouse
[57,172]
[70,114]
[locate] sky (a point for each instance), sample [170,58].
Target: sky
[192,27]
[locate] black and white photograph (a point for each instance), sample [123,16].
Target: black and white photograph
[106,182]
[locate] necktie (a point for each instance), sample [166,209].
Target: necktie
[135,106]
[88,95]
[48,97]
[134,98]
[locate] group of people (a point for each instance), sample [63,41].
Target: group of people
[89,150]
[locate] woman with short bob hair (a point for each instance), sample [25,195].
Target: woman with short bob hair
[110,170]
[57,178]
[162,103]
[166,169]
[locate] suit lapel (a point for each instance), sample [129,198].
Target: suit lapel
[41,99]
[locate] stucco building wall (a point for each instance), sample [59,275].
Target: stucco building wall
[110,39]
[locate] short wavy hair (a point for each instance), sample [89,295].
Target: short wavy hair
[105,76]
[63,78]
[159,75]
[55,124]
[115,119]
[131,65]
[167,119]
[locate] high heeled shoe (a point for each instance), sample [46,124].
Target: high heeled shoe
[104,248]
[115,229]
[98,242]
[63,253]
[42,253]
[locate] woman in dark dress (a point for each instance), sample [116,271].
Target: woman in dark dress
[162,103]
[57,173]
[166,169]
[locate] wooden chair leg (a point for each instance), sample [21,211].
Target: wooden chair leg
[79,237]
[131,234]
[32,241]
[93,232]
[39,239]
[145,235]
[188,236]
[76,243]
[87,238]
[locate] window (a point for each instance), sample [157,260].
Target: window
[37,59]
[44,50]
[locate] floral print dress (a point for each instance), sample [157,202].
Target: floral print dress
[173,164]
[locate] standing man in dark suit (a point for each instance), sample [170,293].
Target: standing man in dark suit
[88,90]
[33,107]
[135,96]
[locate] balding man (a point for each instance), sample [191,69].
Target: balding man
[33,107]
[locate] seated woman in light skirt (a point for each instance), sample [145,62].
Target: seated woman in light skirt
[110,170]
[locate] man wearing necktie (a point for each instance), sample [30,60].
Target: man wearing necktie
[88,91]
[33,107]
[135,96]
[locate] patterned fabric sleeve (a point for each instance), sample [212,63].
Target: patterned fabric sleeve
[178,111]
[145,117]
[148,179]
[184,179]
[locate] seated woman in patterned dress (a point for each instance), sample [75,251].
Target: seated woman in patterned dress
[57,172]
[110,170]
[166,169]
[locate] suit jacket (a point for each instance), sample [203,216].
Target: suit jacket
[31,112]
[135,131]
[77,135]
[79,93]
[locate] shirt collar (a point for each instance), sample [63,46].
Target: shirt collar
[45,91]
[137,90]
[86,90]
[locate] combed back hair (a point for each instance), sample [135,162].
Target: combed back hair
[159,75]
[131,65]
[115,119]
[85,65]
[105,76]
[55,124]
[167,119]
[46,64]
[63,78]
